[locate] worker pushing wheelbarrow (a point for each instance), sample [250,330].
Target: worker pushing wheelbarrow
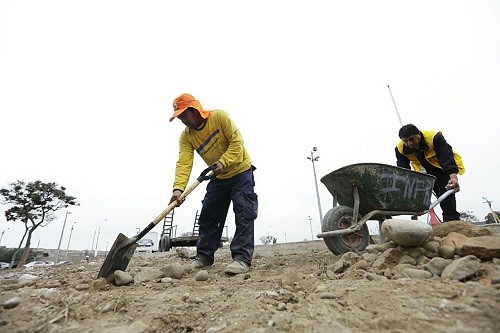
[372,191]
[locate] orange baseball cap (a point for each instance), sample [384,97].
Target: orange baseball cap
[185,101]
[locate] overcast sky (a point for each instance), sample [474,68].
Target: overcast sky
[86,89]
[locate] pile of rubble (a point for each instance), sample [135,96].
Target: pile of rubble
[454,250]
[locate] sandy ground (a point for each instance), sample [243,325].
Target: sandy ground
[287,290]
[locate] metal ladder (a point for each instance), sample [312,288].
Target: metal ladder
[168,225]
[196,226]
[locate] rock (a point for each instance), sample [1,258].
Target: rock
[406,259]
[196,300]
[107,307]
[101,284]
[414,252]
[27,280]
[148,274]
[387,245]
[446,252]
[372,248]
[216,329]
[484,247]
[461,269]
[281,306]
[378,248]
[338,267]
[437,265]
[122,278]
[12,302]
[175,271]
[416,273]
[167,280]
[389,258]
[406,232]
[369,257]
[82,286]
[349,258]
[330,274]
[182,252]
[327,295]
[431,246]
[422,260]
[465,228]
[455,240]
[202,275]
[362,264]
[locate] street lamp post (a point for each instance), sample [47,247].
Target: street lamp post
[97,241]
[60,239]
[69,240]
[1,236]
[310,225]
[492,212]
[38,244]
[315,159]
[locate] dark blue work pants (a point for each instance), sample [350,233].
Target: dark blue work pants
[220,193]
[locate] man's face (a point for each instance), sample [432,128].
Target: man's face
[412,141]
[190,118]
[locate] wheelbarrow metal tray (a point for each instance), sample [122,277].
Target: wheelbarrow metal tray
[381,187]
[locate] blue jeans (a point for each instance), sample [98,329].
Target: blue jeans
[215,205]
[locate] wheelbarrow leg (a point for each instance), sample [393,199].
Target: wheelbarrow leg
[356,205]
[380,233]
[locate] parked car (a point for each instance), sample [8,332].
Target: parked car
[49,263]
[4,265]
[35,264]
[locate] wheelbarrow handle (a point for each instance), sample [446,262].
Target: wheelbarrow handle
[441,198]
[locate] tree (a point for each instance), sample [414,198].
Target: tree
[33,204]
[468,216]
[266,239]
[491,219]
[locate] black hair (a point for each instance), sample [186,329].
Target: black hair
[408,130]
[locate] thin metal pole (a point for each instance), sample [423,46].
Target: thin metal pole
[313,159]
[310,225]
[93,240]
[60,239]
[69,240]
[492,212]
[399,117]
[96,242]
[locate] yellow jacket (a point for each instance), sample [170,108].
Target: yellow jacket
[437,159]
[218,140]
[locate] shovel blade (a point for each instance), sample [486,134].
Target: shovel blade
[119,256]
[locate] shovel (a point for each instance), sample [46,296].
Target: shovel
[123,248]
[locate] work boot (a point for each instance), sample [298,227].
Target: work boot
[237,267]
[198,263]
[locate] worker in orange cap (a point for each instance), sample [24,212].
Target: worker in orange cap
[215,137]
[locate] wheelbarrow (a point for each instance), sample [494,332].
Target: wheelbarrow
[372,191]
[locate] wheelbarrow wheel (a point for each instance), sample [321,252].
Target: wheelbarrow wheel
[165,244]
[340,217]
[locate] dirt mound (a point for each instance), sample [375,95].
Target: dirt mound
[293,287]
